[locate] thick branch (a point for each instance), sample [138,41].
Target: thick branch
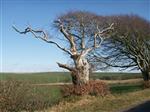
[86,51]
[100,33]
[68,36]
[65,66]
[83,36]
[113,65]
[44,37]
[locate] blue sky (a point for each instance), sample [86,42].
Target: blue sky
[21,53]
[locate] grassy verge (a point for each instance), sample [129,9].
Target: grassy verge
[110,103]
[123,95]
[53,93]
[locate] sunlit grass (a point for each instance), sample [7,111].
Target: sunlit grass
[110,103]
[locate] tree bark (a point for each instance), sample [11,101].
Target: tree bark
[80,72]
[80,75]
[146,75]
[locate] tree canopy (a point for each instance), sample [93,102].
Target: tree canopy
[129,46]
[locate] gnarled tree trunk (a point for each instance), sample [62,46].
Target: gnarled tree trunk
[81,71]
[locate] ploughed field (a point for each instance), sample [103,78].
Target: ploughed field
[121,84]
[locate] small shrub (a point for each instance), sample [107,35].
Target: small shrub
[91,88]
[16,96]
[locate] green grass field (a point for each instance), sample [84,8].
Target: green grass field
[53,77]
[36,78]
[53,93]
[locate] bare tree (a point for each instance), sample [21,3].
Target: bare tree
[129,47]
[83,33]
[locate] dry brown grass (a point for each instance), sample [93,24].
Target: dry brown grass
[110,103]
[16,96]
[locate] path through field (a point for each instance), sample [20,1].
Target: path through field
[107,81]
